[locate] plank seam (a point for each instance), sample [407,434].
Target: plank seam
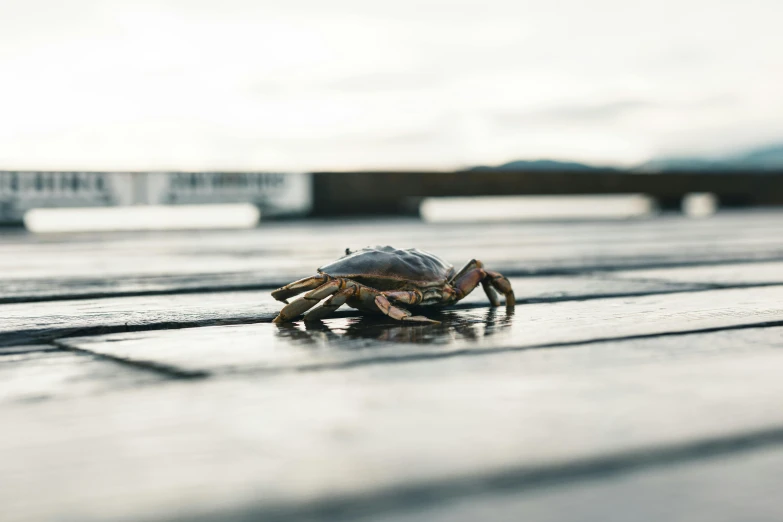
[413,497]
[544,272]
[26,348]
[161,369]
[473,352]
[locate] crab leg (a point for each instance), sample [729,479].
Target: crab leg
[411,297]
[297,287]
[371,299]
[395,312]
[309,300]
[331,304]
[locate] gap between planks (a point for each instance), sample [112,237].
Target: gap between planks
[275,282]
[150,366]
[521,479]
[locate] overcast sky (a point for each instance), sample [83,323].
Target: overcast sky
[338,84]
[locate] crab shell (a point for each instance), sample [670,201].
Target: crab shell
[389,268]
[381,278]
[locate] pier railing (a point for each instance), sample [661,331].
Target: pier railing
[280,194]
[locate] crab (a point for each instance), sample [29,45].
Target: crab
[381,279]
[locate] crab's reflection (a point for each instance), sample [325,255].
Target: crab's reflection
[458,325]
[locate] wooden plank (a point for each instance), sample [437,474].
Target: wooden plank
[40,289]
[283,447]
[267,257]
[313,238]
[727,489]
[46,373]
[84,286]
[46,321]
[296,236]
[267,347]
[356,413]
[27,348]
[719,275]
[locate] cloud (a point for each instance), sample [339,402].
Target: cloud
[575,113]
[387,81]
[350,83]
[606,112]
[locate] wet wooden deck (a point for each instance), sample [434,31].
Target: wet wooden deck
[639,378]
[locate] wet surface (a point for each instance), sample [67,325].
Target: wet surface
[349,341]
[455,326]
[169,394]
[275,254]
[676,493]
[371,435]
[47,321]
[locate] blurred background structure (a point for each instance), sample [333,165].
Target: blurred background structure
[402,193]
[303,85]
[574,94]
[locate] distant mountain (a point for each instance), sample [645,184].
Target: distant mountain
[770,157]
[543,164]
[763,158]
[689,163]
